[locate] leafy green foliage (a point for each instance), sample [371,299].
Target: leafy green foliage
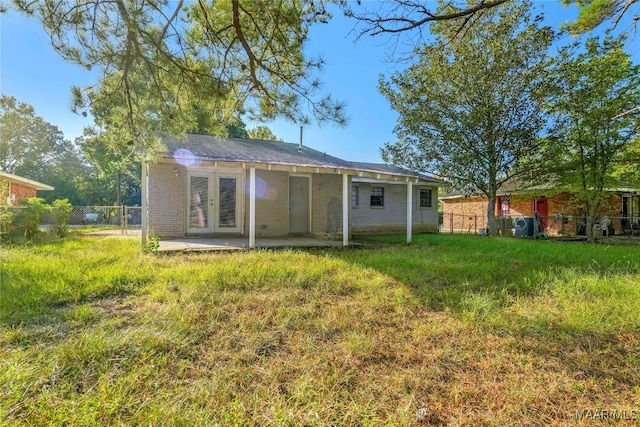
[263,133]
[26,140]
[471,107]
[61,209]
[237,129]
[35,149]
[83,172]
[153,244]
[179,66]
[595,12]
[6,213]
[27,220]
[116,174]
[627,169]
[595,85]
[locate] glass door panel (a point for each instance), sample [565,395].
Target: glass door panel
[227,203]
[214,204]
[198,204]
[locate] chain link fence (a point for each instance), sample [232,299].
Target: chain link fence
[549,226]
[104,216]
[117,217]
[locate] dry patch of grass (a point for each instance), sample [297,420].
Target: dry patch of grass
[294,338]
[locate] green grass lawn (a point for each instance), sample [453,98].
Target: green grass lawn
[479,331]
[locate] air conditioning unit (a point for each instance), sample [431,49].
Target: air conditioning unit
[524,227]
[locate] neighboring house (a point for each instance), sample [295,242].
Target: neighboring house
[206,185]
[19,188]
[556,211]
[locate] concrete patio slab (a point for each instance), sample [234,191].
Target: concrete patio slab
[241,243]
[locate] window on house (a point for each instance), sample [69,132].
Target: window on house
[425,197]
[355,195]
[377,196]
[505,207]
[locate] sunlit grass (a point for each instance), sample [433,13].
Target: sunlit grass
[479,331]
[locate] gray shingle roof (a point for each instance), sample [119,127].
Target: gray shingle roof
[207,147]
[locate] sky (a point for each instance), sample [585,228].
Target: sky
[33,73]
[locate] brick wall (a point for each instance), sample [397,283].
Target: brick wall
[468,215]
[392,217]
[21,192]
[464,215]
[167,200]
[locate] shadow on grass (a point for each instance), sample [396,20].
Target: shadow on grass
[444,270]
[577,303]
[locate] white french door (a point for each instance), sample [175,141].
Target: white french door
[214,203]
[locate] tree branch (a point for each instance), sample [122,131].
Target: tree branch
[378,23]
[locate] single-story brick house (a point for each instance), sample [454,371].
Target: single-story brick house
[205,185]
[556,211]
[19,188]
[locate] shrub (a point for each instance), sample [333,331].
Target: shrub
[61,210]
[6,215]
[27,220]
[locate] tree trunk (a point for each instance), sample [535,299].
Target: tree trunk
[491,214]
[591,216]
[119,189]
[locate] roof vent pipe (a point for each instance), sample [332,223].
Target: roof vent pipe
[300,146]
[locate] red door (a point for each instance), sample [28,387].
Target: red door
[542,207]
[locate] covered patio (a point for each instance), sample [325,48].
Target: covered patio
[268,193]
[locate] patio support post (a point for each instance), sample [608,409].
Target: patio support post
[409,211]
[345,209]
[252,208]
[145,203]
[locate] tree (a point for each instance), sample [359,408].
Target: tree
[471,108]
[263,133]
[167,65]
[115,175]
[27,141]
[237,129]
[595,85]
[36,149]
[70,174]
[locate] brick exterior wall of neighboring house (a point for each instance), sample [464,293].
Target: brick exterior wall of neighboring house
[392,217]
[21,192]
[464,215]
[469,215]
[167,200]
